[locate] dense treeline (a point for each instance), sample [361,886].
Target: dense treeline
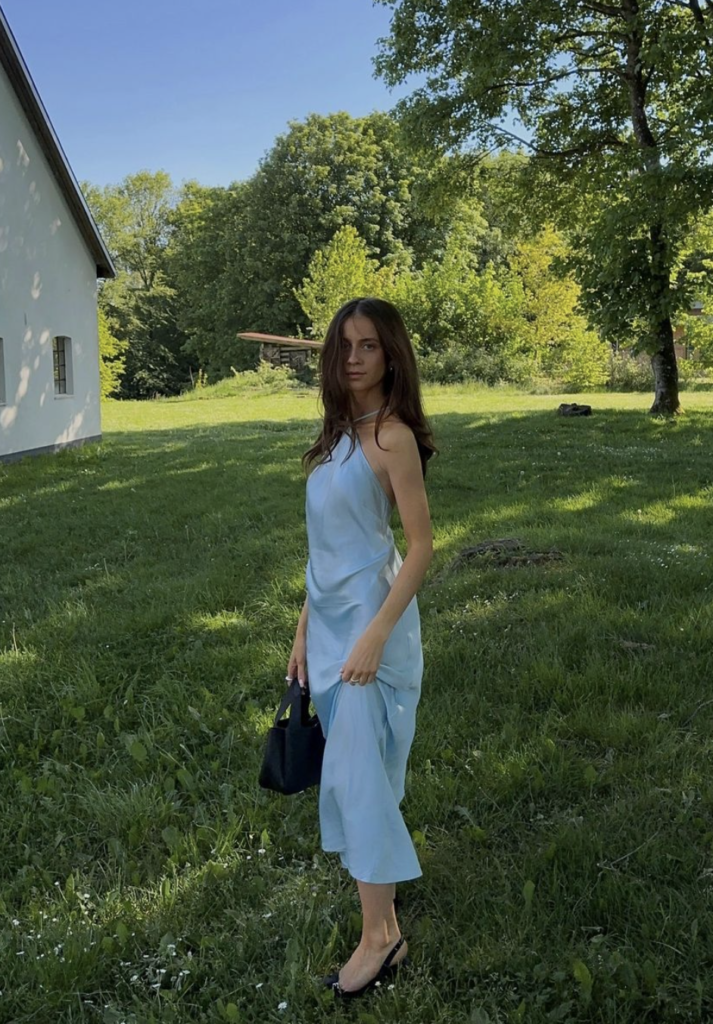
[341,206]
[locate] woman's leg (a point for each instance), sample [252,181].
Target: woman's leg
[380,933]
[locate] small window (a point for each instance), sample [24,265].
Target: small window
[2,373]
[62,357]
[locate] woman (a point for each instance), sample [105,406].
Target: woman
[358,638]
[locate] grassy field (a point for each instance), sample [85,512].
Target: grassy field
[560,789]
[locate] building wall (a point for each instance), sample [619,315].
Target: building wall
[47,289]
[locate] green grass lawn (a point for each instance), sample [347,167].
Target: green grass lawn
[560,789]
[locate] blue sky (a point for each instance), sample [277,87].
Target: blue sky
[197,89]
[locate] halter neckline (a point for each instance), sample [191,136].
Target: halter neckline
[367,414]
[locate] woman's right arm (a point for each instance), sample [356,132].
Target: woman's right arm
[298,657]
[302,623]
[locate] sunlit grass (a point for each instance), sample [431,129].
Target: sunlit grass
[560,787]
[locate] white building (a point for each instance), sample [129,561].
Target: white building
[51,255]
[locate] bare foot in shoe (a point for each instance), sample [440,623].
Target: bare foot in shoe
[365,963]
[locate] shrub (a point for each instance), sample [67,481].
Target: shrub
[580,362]
[634,373]
[456,364]
[692,375]
[629,373]
[698,332]
[267,379]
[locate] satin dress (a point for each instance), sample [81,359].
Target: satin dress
[352,564]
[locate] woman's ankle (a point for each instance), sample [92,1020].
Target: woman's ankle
[381,938]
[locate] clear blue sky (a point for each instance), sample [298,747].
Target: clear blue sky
[199,89]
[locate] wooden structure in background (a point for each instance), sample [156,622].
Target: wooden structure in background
[292,352]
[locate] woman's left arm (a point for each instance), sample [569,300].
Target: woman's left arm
[403,463]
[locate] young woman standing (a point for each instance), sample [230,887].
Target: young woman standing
[358,640]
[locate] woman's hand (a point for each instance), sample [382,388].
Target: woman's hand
[297,665]
[365,658]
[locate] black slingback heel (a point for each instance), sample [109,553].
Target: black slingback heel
[387,971]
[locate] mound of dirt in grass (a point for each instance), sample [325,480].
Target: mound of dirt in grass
[506,553]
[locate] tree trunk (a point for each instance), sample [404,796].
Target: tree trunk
[663,360]
[665,369]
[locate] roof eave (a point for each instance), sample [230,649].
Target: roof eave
[275,339]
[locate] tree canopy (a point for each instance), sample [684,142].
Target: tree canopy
[341,271]
[616,106]
[135,219]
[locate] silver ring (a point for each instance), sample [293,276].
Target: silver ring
[355,680]
[288,679]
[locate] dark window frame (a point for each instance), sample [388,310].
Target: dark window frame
[60,364]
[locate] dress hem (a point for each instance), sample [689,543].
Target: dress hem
[371,879]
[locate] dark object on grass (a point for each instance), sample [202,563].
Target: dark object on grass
[489,547]
[295,746]
[507,553]
[572,409]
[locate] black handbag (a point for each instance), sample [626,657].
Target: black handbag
[295,746]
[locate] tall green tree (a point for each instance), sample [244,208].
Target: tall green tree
[457,302]
[695,272]
[204,255]
[135,218]
[343,270]
[112,353]
[616,98]
[325,173]
[553,333]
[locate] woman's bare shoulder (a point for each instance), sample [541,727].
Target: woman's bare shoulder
[393,431]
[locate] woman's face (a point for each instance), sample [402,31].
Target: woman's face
[363,357]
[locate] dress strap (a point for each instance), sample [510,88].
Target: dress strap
[366,414]
[392,954]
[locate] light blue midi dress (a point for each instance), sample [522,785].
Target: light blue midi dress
[352,564]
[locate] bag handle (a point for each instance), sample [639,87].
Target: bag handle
[298,716]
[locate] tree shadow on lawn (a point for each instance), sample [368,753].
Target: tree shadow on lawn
[153,603]
[156,511]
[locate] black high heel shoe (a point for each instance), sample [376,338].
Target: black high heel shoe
[386,971]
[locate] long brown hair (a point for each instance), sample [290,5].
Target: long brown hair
[402,390]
